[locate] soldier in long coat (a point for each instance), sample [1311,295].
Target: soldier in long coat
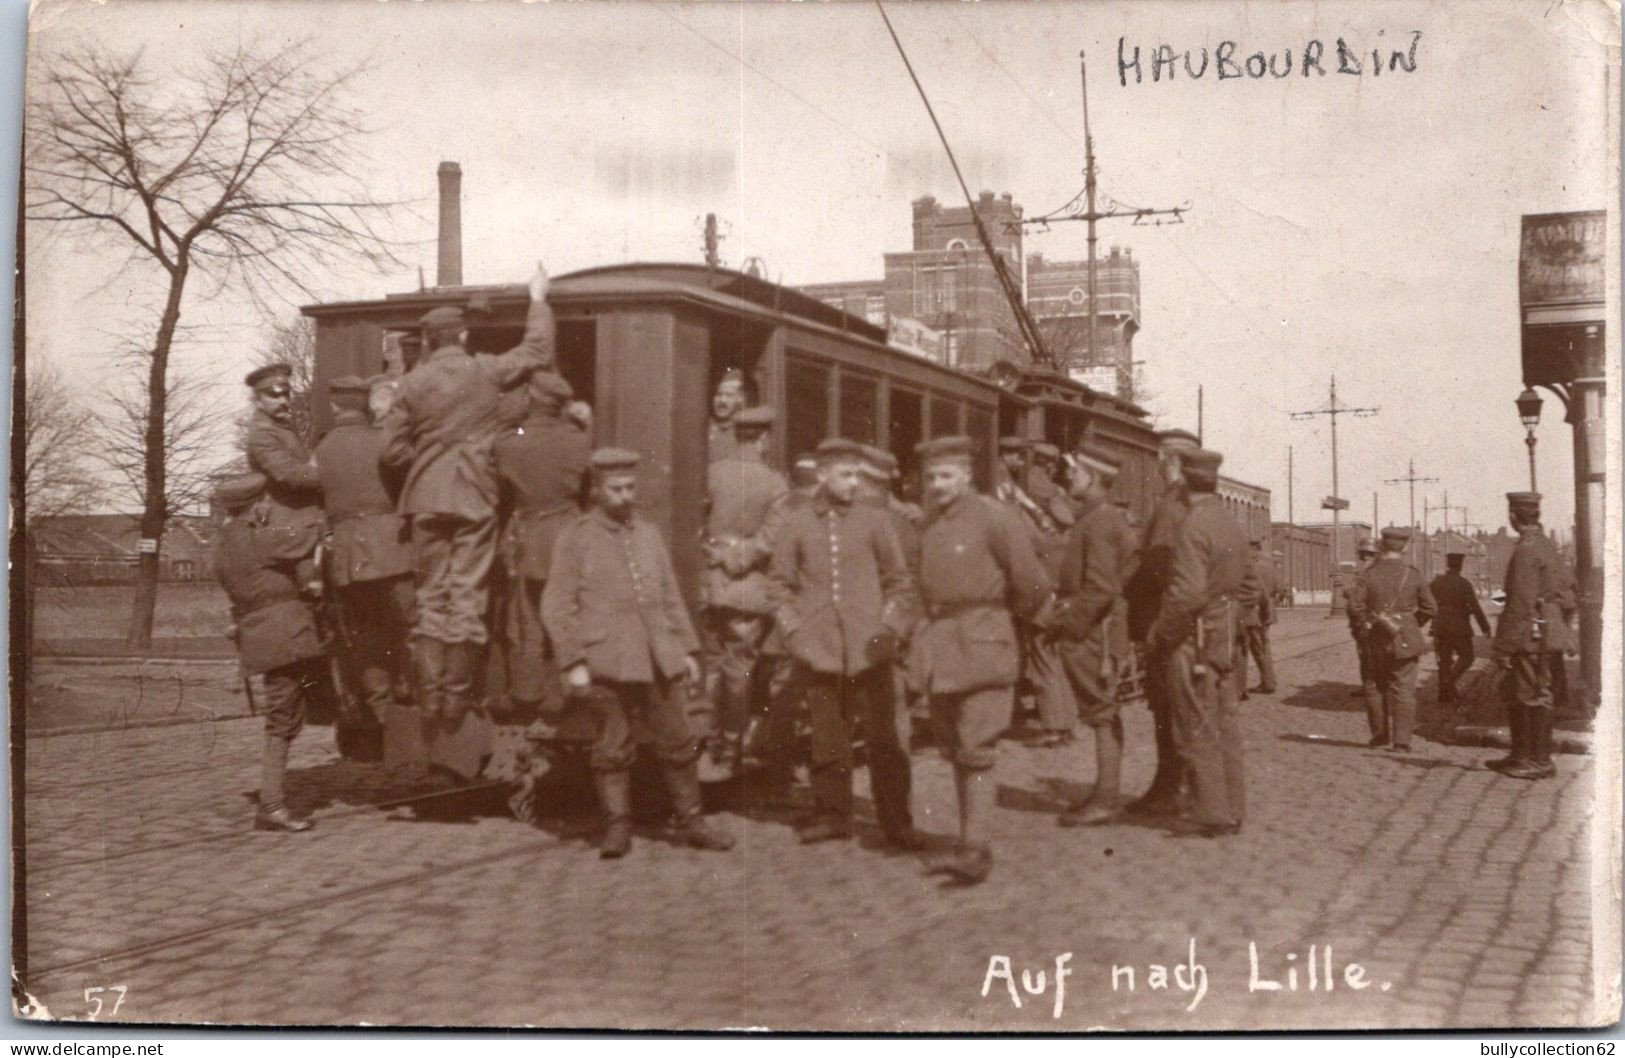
[542,468]
[1257,615]
[274,448]
[978,575]
[844,602]
[1144,592]
[1195,632]
[440,432]
[1365,550]
[368,554]
[743,495]
[1533,632]
[1453,628]
[1391,604]
[1090,623]
[623,639]
[258,564]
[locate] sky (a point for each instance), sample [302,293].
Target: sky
[1363,226]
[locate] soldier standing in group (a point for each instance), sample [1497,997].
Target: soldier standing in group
[1196,632]
[542,470]
[1046,492]
[783,696]
[844,602]
[1256,617]
[1052,516]
[258,564]
[977,569]
[1090,623]
[1532,631]
[1365,551]
[1453,629]
[1390,603]
[1144,592]
[442,428]
[622,636]
[726,403]
[369,557]
[743,492]
[275,449]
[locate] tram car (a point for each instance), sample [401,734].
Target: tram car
[646,344]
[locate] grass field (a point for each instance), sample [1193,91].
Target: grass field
[197,609]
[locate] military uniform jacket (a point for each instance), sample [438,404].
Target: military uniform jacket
[977,566]
[542,467]
[1537,585]
[1458,605]
[257,564]
[1393,587]
[445,421]
[367,539]
[613,602]
[720,442]
[1257,601]
[840,587]
[1100,556]
[743,503]
[1053,501]
[275,450]
[1211,569]
[1146,588]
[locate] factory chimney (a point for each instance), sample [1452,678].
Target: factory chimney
[449,272]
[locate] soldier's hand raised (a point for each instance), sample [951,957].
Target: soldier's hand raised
[539,282]
[577,677]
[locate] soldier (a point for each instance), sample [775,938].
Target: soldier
[369,557]
[1452,629]
[1532,631]
[1196,632]
[257,563]
[1256,617]
[743,492]
[977,570]
[783,699]
[542,470]
[1044,489]
[726,402]
[1144,592]
[1365,550]
[442,428]
[1091,624]
[1390,603]
[275,449]
[623,639]
[844,601]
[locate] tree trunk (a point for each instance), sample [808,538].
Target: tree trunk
[155,499]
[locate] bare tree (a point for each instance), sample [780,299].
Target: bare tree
[57,435]
[197,426]
[239,169]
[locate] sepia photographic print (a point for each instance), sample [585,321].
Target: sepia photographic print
[849,517]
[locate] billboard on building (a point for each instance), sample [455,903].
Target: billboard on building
[912,336]
[1101,378]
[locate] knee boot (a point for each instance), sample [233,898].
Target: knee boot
[430,657]
[1518,730]
[683,780]
[1537,764]
[615,798]
[458,688]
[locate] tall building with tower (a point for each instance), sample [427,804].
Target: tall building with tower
[1058,299]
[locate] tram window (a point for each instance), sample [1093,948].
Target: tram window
[906,420]
[979,424]
[806,394]
[860,408]
[944,417]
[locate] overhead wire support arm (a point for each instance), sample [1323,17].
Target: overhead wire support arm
[1012,293]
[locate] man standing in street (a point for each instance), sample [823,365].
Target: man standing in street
[369,557]
[1533,626]
[1453,629]
[275,449]
[1390,603]
[542,469]
[726,403]
[844,602]
[441,431]
[1196,632]
[258,564]
[624,642]
[1090,624]
[978,573]
[1365,551]
[1256,617]
[1144,592]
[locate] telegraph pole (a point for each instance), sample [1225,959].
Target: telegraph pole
[1446,508]
[1332,410]
[1411,479]
[1290,519]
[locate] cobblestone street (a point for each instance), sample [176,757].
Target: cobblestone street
[1465,896]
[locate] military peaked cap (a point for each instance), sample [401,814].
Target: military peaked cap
[1097,460]
[605,460]
[349,391]
[806,461]
[956,446]
[1013,444]
[1045,450]
[879,463]
[239,491]
[1398,535]
[733,374]
[758,418]
[549,390]
[446,317]
[834,448]
[1524,500]
[268,373]
[1366,546]
[1200,464]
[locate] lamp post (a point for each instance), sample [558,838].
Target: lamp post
[1529,403]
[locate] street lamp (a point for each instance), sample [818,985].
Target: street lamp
[1529,403]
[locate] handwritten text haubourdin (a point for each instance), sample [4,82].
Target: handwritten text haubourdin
[1162,62]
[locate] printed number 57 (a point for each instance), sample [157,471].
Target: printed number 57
[93,995]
